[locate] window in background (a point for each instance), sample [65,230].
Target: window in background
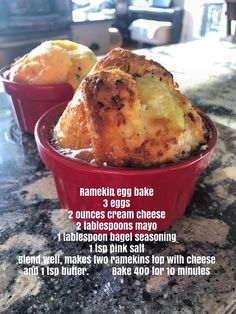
[211,19]
[152,3]
[93,5]
[139,3]
[203,18]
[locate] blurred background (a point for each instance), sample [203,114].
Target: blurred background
[105,24]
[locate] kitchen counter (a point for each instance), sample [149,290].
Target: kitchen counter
[31,217]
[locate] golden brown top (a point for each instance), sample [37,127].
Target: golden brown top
[54,62]
[132,113]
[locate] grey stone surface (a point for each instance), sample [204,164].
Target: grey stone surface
[30,214]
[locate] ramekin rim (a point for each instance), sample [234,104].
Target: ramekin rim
[42,141]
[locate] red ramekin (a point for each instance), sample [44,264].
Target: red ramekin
[173,184]
[30,101]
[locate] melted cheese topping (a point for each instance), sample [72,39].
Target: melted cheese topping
[158,100]
[66,44]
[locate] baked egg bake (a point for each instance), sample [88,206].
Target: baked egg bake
[130,112]
[54,62]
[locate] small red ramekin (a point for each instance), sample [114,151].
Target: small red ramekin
[173,184]
[30,101]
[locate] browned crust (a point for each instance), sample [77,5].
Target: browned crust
[108,97]
[106,114]
[136,65]
[73,125]
[111,104]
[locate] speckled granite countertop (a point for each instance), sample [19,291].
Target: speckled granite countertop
[31,217]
